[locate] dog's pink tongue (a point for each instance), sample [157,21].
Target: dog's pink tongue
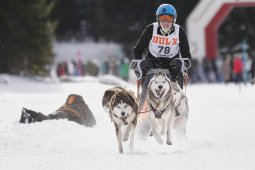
[160,93]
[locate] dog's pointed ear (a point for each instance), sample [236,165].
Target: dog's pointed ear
[169,81]
[149,85]
[107,97]
[168,76]
[157,74]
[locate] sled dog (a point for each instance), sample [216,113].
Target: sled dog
[121,105]
[180,104]
[161,114]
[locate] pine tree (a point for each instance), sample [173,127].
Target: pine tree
[71,15]
[26,35]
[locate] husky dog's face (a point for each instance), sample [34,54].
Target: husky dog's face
[160,85]
[122,110]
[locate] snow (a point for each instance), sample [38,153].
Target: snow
[220,130]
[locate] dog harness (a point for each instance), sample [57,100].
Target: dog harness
[158,113]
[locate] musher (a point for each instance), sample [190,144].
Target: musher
[165,41]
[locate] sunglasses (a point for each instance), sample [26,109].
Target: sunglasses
[166,18]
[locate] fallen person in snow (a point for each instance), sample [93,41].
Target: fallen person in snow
[75,109]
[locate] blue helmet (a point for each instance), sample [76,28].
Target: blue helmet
[166,9]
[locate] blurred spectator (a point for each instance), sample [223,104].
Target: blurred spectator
[238,69]
[65,65]
[252,70]
[123,69]
[217,75]
[80,67]
[210,70]
[75,66]
[196,72]
[71,68]
[206,68]
[60,70]
[105,67]
[226,69]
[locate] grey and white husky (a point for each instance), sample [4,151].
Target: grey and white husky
[121,105]
[159,100]
[180,104]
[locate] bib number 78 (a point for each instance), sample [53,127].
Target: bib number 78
[165,50]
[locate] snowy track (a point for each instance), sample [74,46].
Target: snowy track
[220,131]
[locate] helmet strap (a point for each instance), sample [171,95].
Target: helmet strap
[165,33]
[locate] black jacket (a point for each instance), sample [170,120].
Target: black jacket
[146,36]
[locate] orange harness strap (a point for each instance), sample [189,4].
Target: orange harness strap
[64,108]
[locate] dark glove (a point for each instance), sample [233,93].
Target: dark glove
[137,73]
[187,64]
[175,66]
[175,69]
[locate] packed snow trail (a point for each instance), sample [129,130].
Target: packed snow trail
[220,131]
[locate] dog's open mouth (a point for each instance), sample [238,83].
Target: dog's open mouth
[160,92]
